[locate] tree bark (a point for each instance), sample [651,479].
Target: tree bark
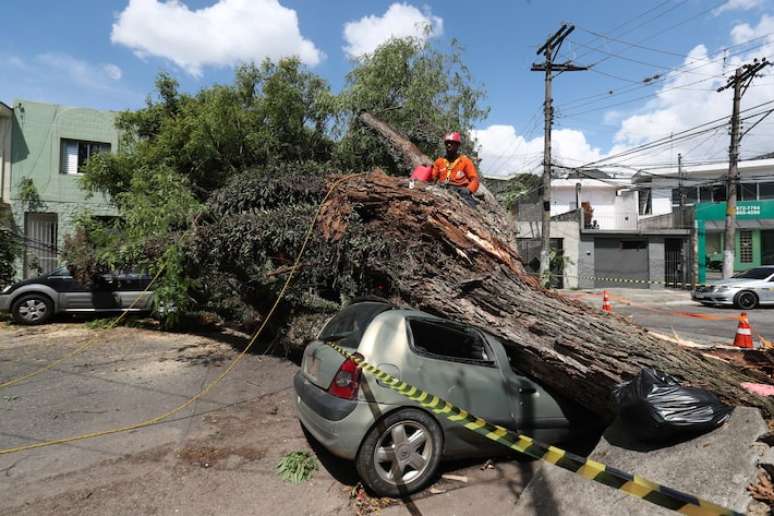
[456,265]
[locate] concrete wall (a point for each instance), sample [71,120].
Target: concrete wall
[37,134]
[662,201]
[586,262]
[611,211]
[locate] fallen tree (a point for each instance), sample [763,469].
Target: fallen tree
[426,248]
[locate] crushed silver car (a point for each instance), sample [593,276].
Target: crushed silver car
[745,290]
[396,444]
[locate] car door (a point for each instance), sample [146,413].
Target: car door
[767,293]
[131,291]
[536,411]
[72,295]
[456,363]
[103,293]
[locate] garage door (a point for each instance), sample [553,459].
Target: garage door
[615,258]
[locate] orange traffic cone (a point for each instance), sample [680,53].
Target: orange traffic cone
[606,306]
[743,338]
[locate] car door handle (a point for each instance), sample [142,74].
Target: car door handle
[527,390]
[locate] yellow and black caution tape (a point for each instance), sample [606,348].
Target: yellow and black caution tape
[219,378]
[591,470]
[675,284]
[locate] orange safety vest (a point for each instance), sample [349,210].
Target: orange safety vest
[461,172]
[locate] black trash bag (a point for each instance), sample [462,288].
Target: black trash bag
[654,407]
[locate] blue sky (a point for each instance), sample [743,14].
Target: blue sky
[105,54]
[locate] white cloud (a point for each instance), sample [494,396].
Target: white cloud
[223,34]
[400,21]
[682,101]
[503,152]
[112,71]
[681,104]
[737,5]
[79,71]
[744,32]
[62,78]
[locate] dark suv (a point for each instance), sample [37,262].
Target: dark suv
[36,300]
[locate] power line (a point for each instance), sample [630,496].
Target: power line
[660,78]
[674,137]
[636,45]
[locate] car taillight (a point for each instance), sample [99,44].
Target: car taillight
[347,381]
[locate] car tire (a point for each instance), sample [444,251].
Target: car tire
[419,441]
[746,300]
[32,309]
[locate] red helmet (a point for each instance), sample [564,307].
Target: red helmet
[453,137]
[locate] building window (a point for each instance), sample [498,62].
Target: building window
[646,202]
[689,192]
[746,192]
[766,190]
[76,153]
[634,244]
[745,247]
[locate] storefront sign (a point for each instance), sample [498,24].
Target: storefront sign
[744,210]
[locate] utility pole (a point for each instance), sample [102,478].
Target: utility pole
[741,80]
[550,49]
[680,191]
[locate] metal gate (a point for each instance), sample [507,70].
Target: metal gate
[616,260]
[40,252]
[675,271]
[767,251]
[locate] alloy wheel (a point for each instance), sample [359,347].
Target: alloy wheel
[403,452]
[747,301]
[32,310]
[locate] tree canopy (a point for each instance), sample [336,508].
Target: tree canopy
[184,156]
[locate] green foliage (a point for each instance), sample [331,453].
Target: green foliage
[10,248]
[28,195]
[272,113]
[419,91]
[249,161]
[297,467]
[521,188]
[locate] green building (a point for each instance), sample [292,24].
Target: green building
[49,145]
[754,235]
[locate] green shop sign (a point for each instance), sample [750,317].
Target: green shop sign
[744,210]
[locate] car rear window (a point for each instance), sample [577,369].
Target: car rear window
[446,341]
[757,273]
[351,322]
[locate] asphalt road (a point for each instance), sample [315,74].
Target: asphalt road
[216,457]
[672,311]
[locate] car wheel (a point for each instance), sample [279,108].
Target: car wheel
[32,309]
[401,453]
[746,300]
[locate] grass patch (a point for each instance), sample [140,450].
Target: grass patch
[297,467]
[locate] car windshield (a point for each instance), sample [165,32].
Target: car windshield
[60,271]
[757,273]
[347,326]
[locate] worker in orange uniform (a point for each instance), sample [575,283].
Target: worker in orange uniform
[456,170]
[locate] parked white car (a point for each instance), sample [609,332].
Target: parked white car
[746,290]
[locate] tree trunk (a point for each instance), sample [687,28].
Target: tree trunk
[461,263]
[456,265]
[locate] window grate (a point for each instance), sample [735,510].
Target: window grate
[745,247]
